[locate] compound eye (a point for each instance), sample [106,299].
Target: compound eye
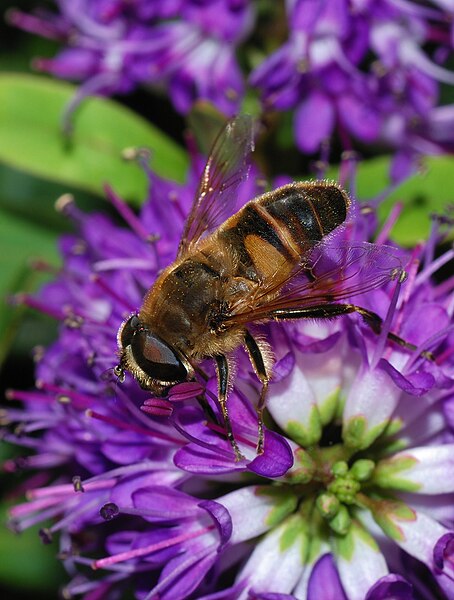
[156,358]
[127,330]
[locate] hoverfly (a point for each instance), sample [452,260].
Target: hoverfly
[266,262]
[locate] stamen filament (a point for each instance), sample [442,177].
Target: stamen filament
[28,396]
[68,488]
[80,401]
[130,427]
[433,268]
[33,24]
[126,213]
[130,264]
[41,307]
[386,327]
[138,552]
[106,288]
[392,219]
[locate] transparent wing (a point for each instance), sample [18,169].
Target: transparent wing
[226,167]
[327,274]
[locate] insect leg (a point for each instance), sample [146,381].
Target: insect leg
[327,311]
[258,363]
[222,367]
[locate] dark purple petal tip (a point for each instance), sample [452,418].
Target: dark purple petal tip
[221,517]
[324,581]
[391,587]
[444,550]
[277,458]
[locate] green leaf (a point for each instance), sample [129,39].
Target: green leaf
[31,138]
[26,563]
[19,242]
[28,202]
[423,194]
[33,199]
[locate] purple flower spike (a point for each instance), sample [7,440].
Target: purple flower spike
[187,47]
[363,72]
[355,482]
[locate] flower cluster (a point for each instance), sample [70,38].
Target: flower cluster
[361,71]
[359,68]
[354,490]
[186,46]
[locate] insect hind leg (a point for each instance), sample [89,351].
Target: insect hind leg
[328,311]
[376,323]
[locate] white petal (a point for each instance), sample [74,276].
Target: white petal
[293,406]
[419,537]
[271,569]
[420,418]
[252,512]
[361,566]
[429,468]
[373,397]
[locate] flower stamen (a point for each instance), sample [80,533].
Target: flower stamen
[103,563]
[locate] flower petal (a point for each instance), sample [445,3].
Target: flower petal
[359,561]
[276,459]
[314,121]
[370,403]
[416,384]
[360,116]
[221,518]
[274,566]
[324,581]
[443,555]
[255,509]
[426,470]
[391,586]
[159,503]
[293,406]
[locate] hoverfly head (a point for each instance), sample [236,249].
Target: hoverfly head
[152,362]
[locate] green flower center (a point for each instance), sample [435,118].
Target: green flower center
[342,491]
[336,478]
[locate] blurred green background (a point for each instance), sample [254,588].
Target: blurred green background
[27,568]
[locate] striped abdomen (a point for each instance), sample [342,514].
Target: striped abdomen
[274,231]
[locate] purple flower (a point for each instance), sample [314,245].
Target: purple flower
[361,70]
[357,476]
[112,46]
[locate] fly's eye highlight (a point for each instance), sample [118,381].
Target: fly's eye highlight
[127,331]
[156,358]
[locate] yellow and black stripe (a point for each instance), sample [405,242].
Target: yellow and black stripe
[273,232]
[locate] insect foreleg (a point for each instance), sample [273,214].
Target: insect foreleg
[327,311]
[222,367]
[258,363]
